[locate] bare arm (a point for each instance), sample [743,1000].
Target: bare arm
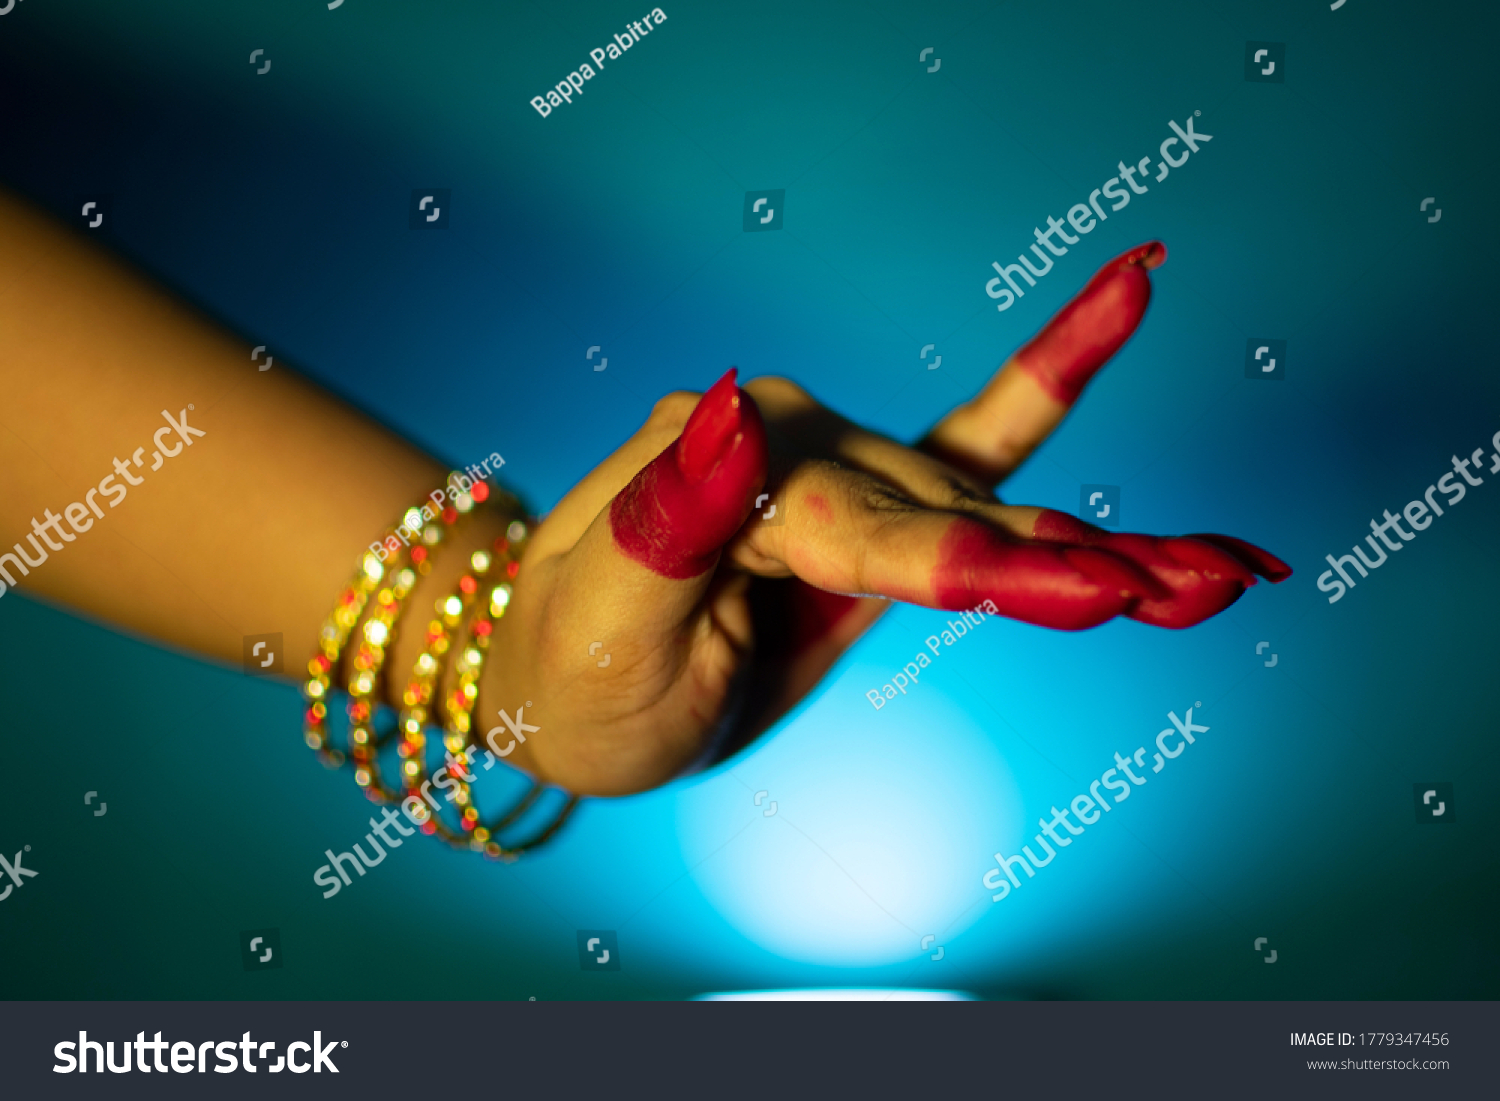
[251,528]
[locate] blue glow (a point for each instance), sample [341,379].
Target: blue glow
[859,861]
[837,994]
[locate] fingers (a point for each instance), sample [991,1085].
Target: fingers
[846,532]
[854,498]
[1068,588]
[1203,573]
[993,434]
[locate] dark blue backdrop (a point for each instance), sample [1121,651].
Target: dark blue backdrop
[279,202]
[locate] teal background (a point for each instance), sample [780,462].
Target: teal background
[279,204]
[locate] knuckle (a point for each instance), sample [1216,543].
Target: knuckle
[879,507]
[778,391]
[673,410]
[962,496]
[877,497]
[668,418]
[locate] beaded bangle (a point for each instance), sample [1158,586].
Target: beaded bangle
[457,712]
[401,571]
[426,679]
[404,563]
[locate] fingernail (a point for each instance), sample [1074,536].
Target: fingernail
[1153,254]
[680,509]
[711,431]
[1207,559]
[1261,561]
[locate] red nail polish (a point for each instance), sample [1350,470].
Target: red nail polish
[1197,576]
[712,430]
[1207,559]
[1261,561]
[1092,327]
[678,512]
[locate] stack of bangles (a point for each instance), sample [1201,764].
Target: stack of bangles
[456,642]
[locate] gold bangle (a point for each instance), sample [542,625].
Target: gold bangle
[407,558]
[427,679]
[407,551]
[460,736]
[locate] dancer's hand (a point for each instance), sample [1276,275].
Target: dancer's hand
[716,619]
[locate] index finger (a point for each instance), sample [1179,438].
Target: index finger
[993,434]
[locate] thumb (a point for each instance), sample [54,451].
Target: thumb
[637,579]
[662,534]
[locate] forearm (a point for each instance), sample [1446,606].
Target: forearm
[252,528]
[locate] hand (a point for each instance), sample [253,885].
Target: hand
[717,622]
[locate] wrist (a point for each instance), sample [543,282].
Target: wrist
[476,553]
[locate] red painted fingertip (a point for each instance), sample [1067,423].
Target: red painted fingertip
[1194,599]
[686,503]
[711,431]
[1065,588]
[1197,576]
[1198,580]
[1207,559]
[1261,561]
[1059,527]
[1116,573]
[1086,332]
[1153,254]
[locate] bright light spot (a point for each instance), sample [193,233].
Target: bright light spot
[836,994]
[885,825]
